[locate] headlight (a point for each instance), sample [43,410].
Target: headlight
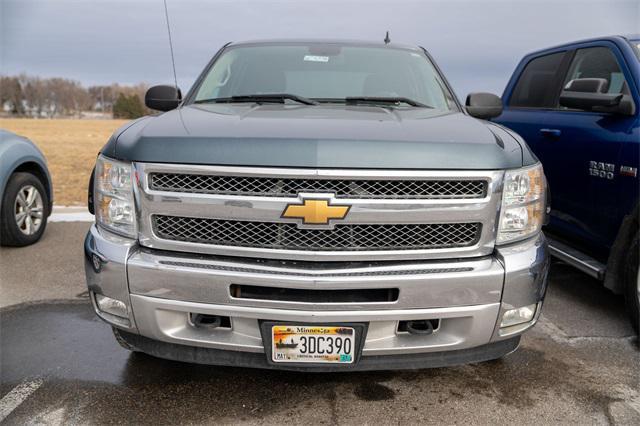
[523,204]
[113,192]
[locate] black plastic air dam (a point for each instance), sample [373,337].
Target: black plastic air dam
[208,356]
[281,294]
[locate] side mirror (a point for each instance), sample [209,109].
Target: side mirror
[483,105]
[590,94]
[163,98]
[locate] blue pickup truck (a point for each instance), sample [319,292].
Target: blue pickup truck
[577,106]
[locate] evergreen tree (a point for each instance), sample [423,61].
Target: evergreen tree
[128,107]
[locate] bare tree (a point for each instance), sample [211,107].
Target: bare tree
[11,93]
[35,94]
[51,97]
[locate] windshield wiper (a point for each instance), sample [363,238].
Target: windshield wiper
[384,100]
[266,97]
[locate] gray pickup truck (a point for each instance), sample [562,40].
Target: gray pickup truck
[318,205]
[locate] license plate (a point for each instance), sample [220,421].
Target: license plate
[300,343]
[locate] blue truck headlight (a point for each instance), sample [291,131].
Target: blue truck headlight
[114,202]
[523,204]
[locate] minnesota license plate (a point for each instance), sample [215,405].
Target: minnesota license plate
[301,343]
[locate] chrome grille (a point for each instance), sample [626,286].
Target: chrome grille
[393,215]
[343,188]
[377,273]
[287,236]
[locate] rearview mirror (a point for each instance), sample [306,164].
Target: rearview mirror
[163,98]
[590,94]
[483,105]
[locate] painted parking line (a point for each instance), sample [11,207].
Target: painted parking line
[17,396]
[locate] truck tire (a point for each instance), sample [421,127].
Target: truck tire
[122,341]
[631,283]
[25,208]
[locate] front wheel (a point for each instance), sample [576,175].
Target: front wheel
[632,284]
[25,207]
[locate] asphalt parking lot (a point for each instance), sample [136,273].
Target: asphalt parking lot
[60,365]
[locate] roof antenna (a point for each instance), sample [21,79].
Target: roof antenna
[387,40]
[173,61]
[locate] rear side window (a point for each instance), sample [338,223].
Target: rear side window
[537,85]
[598,62]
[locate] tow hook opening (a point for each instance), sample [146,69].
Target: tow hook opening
[419,327]
[209,321]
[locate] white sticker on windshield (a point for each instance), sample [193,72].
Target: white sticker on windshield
[313,58]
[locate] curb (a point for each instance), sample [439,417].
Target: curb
[70,214]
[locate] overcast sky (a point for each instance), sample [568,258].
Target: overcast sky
[477,43]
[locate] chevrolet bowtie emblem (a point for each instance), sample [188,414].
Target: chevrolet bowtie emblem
[315,211]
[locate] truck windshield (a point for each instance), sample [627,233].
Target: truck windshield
[325,73]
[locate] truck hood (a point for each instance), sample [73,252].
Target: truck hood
[322,136]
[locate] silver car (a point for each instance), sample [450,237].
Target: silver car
[25,189]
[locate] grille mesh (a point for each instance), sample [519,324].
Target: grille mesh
[343,188]
[287,236]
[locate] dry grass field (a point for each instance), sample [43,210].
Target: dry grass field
[70,146]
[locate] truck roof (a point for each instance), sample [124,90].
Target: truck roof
[343,42]
[611,38]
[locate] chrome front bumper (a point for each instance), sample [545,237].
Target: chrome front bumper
[467,296]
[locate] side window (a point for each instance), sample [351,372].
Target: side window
[537,85]
[598,62]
